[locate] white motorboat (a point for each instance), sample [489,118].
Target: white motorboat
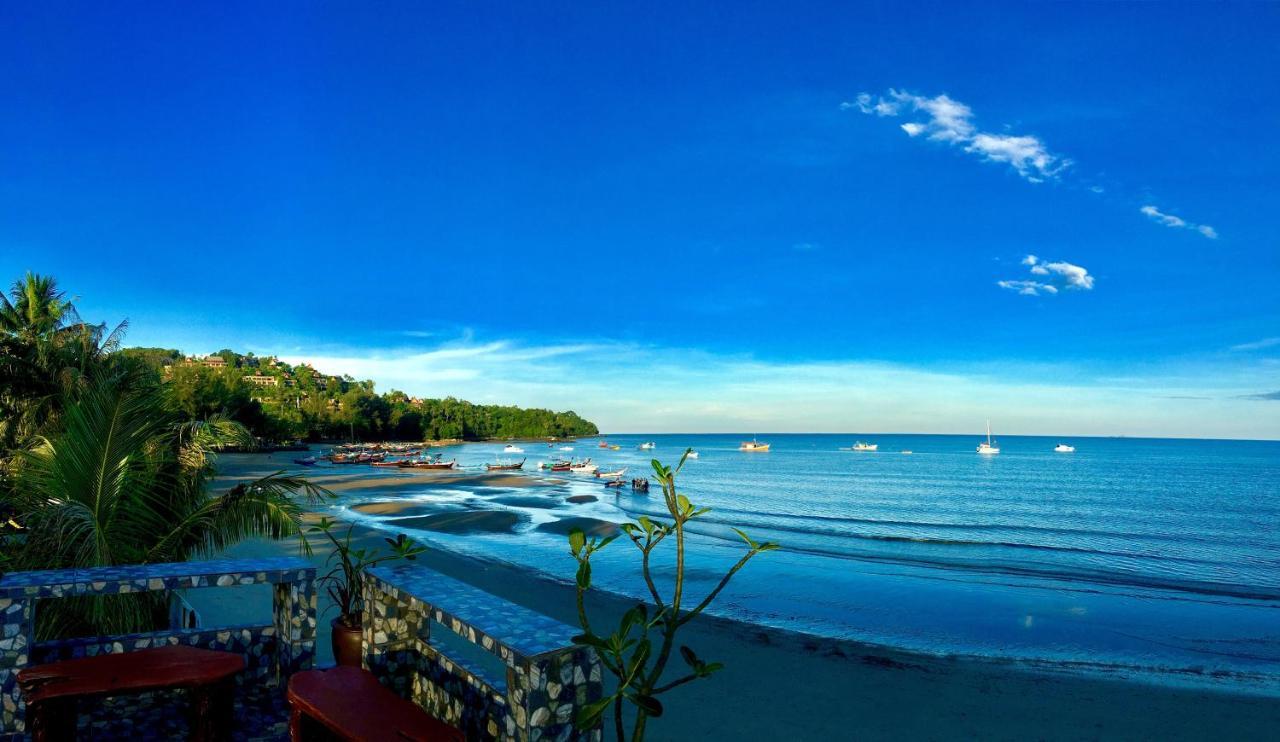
[1064,448]
[648,446]
[989,447]
[585,467]
[692,455]
[566,448]
[512,449]
[860,446]
[611,474]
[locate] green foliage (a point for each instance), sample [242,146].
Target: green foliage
[629,653]
[126,480]
[303,403]
[98,467]
[345,581]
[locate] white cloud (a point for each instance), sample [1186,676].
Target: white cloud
[1075,276]
[1177,222]
[1169,220]
[1257,344]
[691,390]
[950,121]
[1025,154]
[1065,276]
[1028,288]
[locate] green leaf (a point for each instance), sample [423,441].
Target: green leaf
[577,539]
[648,704]
[589,715]
[745,537]
[591,640]
[690,658]
[708,668]
[584,575]
[604,543]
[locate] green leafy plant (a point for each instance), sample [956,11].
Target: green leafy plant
[629,653]
[345,582]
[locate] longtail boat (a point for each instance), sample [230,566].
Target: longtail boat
[505,467]
[611,474]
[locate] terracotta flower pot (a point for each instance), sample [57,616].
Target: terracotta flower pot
[348,645]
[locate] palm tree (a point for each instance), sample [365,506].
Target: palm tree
[125,480]
[46,354]
[34,306]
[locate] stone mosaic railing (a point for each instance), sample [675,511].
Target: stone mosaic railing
[271,650]
[546,680]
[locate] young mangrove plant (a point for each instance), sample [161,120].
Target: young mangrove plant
[637,652]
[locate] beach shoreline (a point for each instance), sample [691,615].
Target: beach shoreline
[849,688]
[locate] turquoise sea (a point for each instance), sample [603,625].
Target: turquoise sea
[1155,559]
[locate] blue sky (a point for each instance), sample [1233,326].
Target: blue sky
[736,217]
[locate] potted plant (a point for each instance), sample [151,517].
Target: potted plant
[345,585]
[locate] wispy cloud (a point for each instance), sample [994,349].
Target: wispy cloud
[1057,275]
[692,390]
[944,119]
[1177,222]
[1257,344]
[1269,396]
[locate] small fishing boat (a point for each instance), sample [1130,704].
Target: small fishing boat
[585,467]
[860,446]
[512,449]
[614,483]
[386,463]
[560,466]
[612,474]
[615,448]
[436,464]
[308,461]
[648,446]
[566,448]
[505,467]
[753,445]
[603,444]
[1064,448]
[988,448]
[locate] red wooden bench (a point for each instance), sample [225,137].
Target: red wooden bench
[351,703]
[52,689]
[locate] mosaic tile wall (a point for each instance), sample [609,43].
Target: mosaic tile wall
[271,652]
[548,678]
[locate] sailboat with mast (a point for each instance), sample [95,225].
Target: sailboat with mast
[989,447]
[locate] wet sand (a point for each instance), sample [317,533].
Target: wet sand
[778,685]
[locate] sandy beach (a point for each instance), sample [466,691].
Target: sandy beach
[813,687]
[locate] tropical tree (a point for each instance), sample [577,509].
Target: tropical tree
[46,354]
[125,479]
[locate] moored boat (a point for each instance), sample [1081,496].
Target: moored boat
[988,448]
[648,446]
[612,474]
[512,449]
[860,446]
[1064,448]
[308,461]
[585,467]
[753,445]
[505,467]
